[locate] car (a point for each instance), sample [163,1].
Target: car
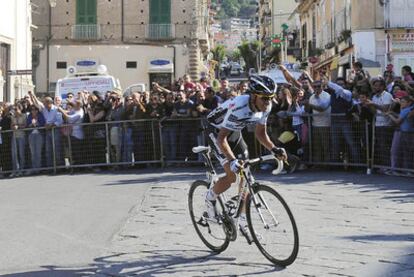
[252,71]
[236,70]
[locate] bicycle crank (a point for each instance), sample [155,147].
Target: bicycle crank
[229,228]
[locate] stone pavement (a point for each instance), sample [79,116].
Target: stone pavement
[349,224]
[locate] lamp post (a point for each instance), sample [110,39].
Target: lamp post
[52,3]
[174,55]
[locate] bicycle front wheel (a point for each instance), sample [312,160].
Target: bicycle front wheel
[211,233]
[272,226]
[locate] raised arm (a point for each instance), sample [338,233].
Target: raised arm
[36,101]
[289,77]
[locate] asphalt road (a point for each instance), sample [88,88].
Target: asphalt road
[137,224]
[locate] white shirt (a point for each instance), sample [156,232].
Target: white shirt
[385,98]
[321,119]
[76,118]
[235,114]
[297,115]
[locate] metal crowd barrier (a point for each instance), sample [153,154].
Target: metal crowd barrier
[344,142]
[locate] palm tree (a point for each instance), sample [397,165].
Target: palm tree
[249,52]
[219,53]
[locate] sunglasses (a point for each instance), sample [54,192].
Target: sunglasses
[265,97]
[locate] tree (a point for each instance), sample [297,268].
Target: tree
[235,55]
[247,11]
[219,53]
[249,51]
[231,8]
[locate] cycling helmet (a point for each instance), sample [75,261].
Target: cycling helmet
[262,85]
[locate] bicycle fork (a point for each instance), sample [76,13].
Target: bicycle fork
[258,207]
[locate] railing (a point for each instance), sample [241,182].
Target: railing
[398,14]
[86,32]
[341,142]
[160,31]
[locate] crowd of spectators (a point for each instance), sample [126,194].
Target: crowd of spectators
[335,117]
[33,129]
[344,113]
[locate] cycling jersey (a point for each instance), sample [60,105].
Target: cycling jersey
[235,114]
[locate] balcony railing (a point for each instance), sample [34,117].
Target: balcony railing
[86,32]
[160,31]
[399,14]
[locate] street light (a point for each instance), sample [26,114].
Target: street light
[174,54]
[52,3]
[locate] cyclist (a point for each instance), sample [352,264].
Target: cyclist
[226,142]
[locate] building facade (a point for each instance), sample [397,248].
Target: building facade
[335,33]
[399,33]
[139,41]
[15,49]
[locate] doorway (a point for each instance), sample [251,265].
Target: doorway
[4,67]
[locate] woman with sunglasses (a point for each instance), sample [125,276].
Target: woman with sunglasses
[226,142]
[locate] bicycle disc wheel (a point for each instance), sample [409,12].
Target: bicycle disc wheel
[272,226]
[211,233]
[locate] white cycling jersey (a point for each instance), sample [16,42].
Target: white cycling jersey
[235,114]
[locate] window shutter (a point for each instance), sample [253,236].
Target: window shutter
[160,11]
[86,12]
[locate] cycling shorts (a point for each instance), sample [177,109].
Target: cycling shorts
[235,140]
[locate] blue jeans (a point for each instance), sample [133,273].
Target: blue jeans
[18,152]
[169,141]
[128,145]
[49,141]
[341,131]
[36,145]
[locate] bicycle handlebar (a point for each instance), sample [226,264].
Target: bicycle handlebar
[259,160]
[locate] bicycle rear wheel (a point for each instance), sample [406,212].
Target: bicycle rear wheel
[211,233]
[272,226]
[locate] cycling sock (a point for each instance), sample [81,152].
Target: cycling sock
[242,219]
[211,195]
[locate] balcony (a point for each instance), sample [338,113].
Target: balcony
[86,32]
[160,32]
[398,14]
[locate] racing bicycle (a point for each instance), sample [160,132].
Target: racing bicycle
[271,224]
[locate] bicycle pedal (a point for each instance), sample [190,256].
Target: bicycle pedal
[202,222]
[212,220]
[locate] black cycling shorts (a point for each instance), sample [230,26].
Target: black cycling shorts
[235,140]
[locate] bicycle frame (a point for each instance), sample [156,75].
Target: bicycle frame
[248,182]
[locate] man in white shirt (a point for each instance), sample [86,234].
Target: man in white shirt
[53,119]
[319,102]
[380,104]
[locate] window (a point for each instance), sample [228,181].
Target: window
[160,12]
[131,64]
[61,65]
[86,12]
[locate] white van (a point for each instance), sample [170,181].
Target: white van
[90,81]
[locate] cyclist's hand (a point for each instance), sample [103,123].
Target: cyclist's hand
[280,153]
[236,165]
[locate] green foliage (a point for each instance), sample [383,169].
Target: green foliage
[249,52]
[218,53]
[231,7]
[247,11]
[235,55]
[236,8]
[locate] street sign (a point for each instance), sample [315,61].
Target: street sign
[19,72]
